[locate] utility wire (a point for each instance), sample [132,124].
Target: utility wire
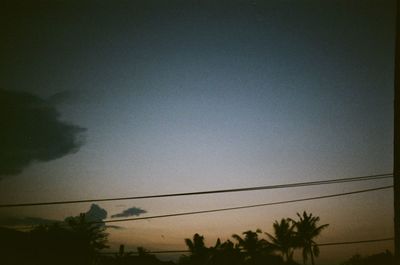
[356,242]
[320,245]
[232,208]
[280,186]
[243,207]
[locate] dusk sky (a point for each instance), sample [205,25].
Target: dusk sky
[180,96]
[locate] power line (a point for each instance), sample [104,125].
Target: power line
[243,207]
[232,208]
[356,242]
[280,186]
[320,245]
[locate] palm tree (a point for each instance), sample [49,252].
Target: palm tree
[253,247]
[283,239]
[306,231]
[225,254]
[198,250]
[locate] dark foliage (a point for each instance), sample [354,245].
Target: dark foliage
[385,258]
[248,250]
[79,241]
[76,242]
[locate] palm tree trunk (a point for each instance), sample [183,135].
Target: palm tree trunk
[312,256]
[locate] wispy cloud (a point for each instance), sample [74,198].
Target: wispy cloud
[133,211]
[94,214]
[115,227]
[25,221]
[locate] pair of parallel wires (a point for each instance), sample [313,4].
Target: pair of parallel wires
[245,189]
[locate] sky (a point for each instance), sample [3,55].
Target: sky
[127,98]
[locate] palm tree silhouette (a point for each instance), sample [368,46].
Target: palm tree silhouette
[252,247]
[198,250]
[284,238]
[306,231]
[225,254]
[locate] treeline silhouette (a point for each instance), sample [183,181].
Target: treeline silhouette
[384,258]
[78,241]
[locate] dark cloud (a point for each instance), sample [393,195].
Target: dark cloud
[25,221]
[64,96]
[134,211]
[94,214]
[71,96]
[32,131]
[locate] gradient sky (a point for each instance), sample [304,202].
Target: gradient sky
[180,96]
